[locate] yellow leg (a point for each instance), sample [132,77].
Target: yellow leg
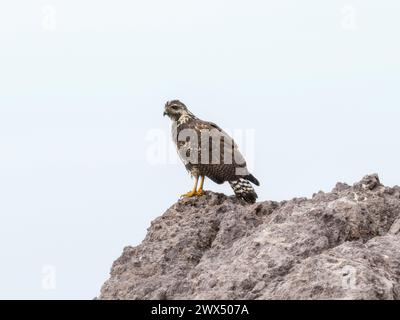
[200,191]
[193,192]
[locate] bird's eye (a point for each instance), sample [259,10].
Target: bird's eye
[175,107]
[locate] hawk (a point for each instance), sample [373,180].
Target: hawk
[207,151]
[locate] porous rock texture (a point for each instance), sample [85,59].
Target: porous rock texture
[344,244]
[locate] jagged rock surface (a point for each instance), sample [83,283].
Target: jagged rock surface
[339,245]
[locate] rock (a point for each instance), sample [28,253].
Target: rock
[344,244]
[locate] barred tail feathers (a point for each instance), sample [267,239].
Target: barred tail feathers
[244,190]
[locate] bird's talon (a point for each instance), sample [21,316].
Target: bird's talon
[189,194]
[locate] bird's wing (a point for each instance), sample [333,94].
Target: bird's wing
[229,151]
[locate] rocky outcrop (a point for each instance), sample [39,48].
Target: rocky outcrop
[344,244]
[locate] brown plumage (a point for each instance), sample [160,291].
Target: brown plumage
[208,151]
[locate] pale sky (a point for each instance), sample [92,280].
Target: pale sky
[82,90]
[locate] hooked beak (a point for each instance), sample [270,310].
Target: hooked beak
[165,113]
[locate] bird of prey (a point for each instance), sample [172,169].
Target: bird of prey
[207,151]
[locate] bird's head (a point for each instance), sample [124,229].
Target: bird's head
[175,109]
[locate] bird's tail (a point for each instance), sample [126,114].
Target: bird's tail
[244,190]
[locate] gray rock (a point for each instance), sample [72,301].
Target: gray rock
[339,245]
